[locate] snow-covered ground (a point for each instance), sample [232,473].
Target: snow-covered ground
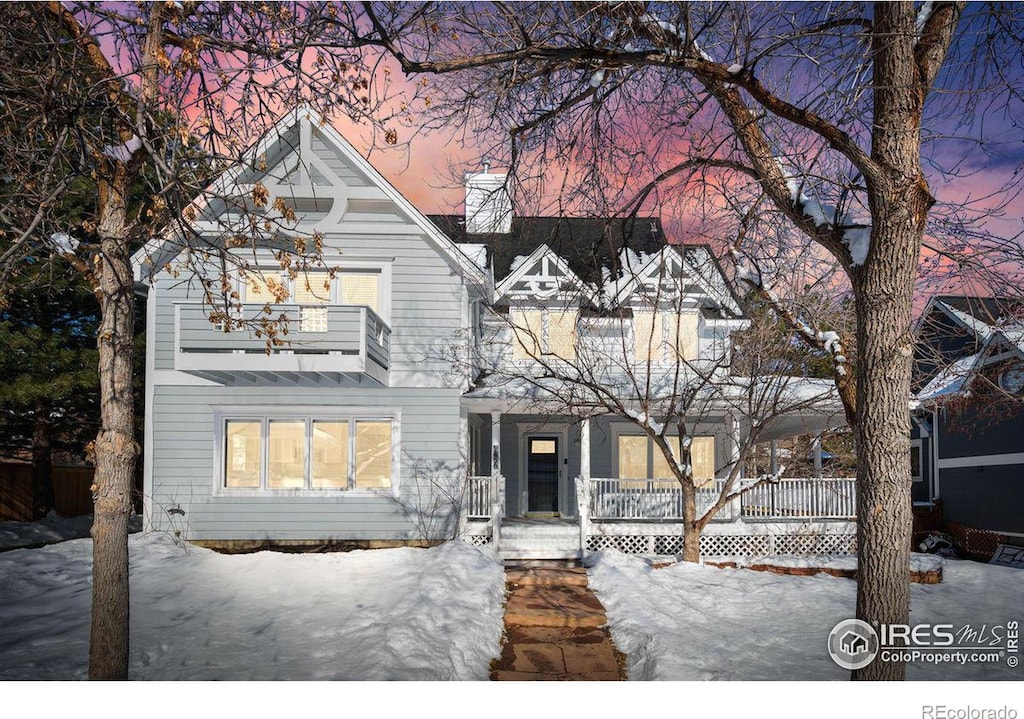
[423,614]
[436,614]
[690,622]
[46,531]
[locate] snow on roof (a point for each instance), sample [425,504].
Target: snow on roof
[951,380]
[476,252]
[981,329]
[517,262]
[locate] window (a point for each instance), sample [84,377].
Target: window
[664,336]
[307,453]
[640,458]
[543,332]
[313,291]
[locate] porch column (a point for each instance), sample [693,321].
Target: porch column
[773,462]
[585,448]
[733,424]
[583,486]
[817,456]
[734,442]
[495,443]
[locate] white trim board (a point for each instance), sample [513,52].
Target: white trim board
[984,460]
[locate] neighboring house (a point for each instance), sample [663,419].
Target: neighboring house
[408,386]
[968,429]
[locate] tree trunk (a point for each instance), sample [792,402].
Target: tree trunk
[691,530]
[884,289]
[42,461]
[115,448]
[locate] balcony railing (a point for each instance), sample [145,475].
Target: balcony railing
[662,499]
[349,340]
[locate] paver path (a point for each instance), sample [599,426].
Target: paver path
[555,628]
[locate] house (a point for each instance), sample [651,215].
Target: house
[968,431]
[414,384]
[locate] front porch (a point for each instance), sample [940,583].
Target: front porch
[803,516]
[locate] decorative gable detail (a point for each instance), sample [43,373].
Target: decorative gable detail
[302,177]
[542,277]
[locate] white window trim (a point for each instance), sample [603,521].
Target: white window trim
[919,477]
[544,332]
[264,415]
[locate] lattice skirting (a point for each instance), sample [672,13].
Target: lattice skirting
[477,540]
[729,545]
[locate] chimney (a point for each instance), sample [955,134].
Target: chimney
[488,205]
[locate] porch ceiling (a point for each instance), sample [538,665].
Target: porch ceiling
[799,405]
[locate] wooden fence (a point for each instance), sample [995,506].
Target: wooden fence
[71,491]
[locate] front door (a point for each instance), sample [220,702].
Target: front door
[542,474]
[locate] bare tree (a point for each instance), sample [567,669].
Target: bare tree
[132,110]
[806,117]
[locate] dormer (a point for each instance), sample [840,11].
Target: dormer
[544,297]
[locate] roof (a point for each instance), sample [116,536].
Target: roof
[163,248]
[987,309]
[586,243]
[992,326]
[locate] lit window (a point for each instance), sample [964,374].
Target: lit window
[286,460]
[307,454]
[373,454]
[330,455]
[664,336]
[242,454]
[360,288]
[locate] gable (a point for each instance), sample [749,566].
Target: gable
[302,179]
[541,276]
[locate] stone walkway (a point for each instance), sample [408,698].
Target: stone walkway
[555,628]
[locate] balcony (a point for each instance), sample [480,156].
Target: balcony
[351,347]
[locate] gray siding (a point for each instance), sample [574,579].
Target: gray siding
[426,319]
[185,472]
[985,497]
[426,304]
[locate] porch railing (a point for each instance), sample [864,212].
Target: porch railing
[479,500]
[803,498]
[662,499]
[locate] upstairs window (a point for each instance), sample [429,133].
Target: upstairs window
[543,332]
[313,292]
[664,336]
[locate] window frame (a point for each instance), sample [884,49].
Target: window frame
[520,352]
[915,446]
[651,449]
[309,416]
[270,267]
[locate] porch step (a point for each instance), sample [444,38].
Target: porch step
[513,553]
[540,576]
[535,538]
